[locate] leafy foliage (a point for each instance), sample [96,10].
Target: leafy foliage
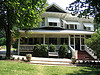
[63,50]
[86,8]
[36,50]
[2,38]
[52,48]
[94,42]
[40,50]
[19,14]
[44,50]
[2,41]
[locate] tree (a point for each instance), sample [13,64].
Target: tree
[94,42]
[86,8]
[19,14]
[2,38]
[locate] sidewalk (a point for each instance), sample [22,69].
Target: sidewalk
[47,61]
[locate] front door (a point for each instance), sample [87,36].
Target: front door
[77,43]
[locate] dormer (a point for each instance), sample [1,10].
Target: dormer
[50,20]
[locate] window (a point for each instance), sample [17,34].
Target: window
[88,36]
[24,40]
[52,24]
[83,48]
[64,40]
[72,41]
[38,41]
[75,26]
[43,22]
[71,26]
[53,41]
[82,41]
[87,28]
[30,41]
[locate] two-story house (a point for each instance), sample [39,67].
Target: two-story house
[59,27]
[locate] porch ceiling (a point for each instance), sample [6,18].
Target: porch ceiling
[59,32]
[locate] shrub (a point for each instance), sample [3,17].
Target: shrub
[44,50]
[52,48]
[36,50]
[63,50]
[2,41]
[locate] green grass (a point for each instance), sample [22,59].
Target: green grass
[16,68]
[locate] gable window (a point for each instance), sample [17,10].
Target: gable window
[52,24]
[43,22]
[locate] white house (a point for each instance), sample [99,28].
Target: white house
[59,27]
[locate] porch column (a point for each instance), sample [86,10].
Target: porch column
[74,42]
[44,39]
[80,42]
[18,45]
[69,40]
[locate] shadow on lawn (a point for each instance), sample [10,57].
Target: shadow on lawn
[87,71]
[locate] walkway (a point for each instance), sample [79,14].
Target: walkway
[47,61]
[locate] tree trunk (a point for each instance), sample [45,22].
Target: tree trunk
[8,42]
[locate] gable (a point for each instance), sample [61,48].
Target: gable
[55,8]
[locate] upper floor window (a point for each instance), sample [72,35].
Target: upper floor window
[88,26]
[53,21]
[70,26]
[52,24]
[43,22]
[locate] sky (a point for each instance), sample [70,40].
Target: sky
[61,3]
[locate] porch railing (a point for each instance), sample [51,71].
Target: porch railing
[74,52]
[28,48]
[90,51]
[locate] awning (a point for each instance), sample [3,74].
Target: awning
[88,24]
[64,21]
[51,19]
[70,22]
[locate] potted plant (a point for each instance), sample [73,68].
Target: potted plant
[28,56]
[73,59]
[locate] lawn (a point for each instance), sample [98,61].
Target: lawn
[16,68]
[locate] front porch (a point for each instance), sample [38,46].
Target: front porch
[74,41]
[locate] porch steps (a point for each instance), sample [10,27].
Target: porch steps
[83,55]
[48,61]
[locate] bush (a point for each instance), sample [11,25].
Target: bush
[44,50]
[36,50]
[2,41]
[15,45]
[63,50]
[52,48]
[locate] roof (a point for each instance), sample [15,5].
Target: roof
[41,31]
[56,8]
